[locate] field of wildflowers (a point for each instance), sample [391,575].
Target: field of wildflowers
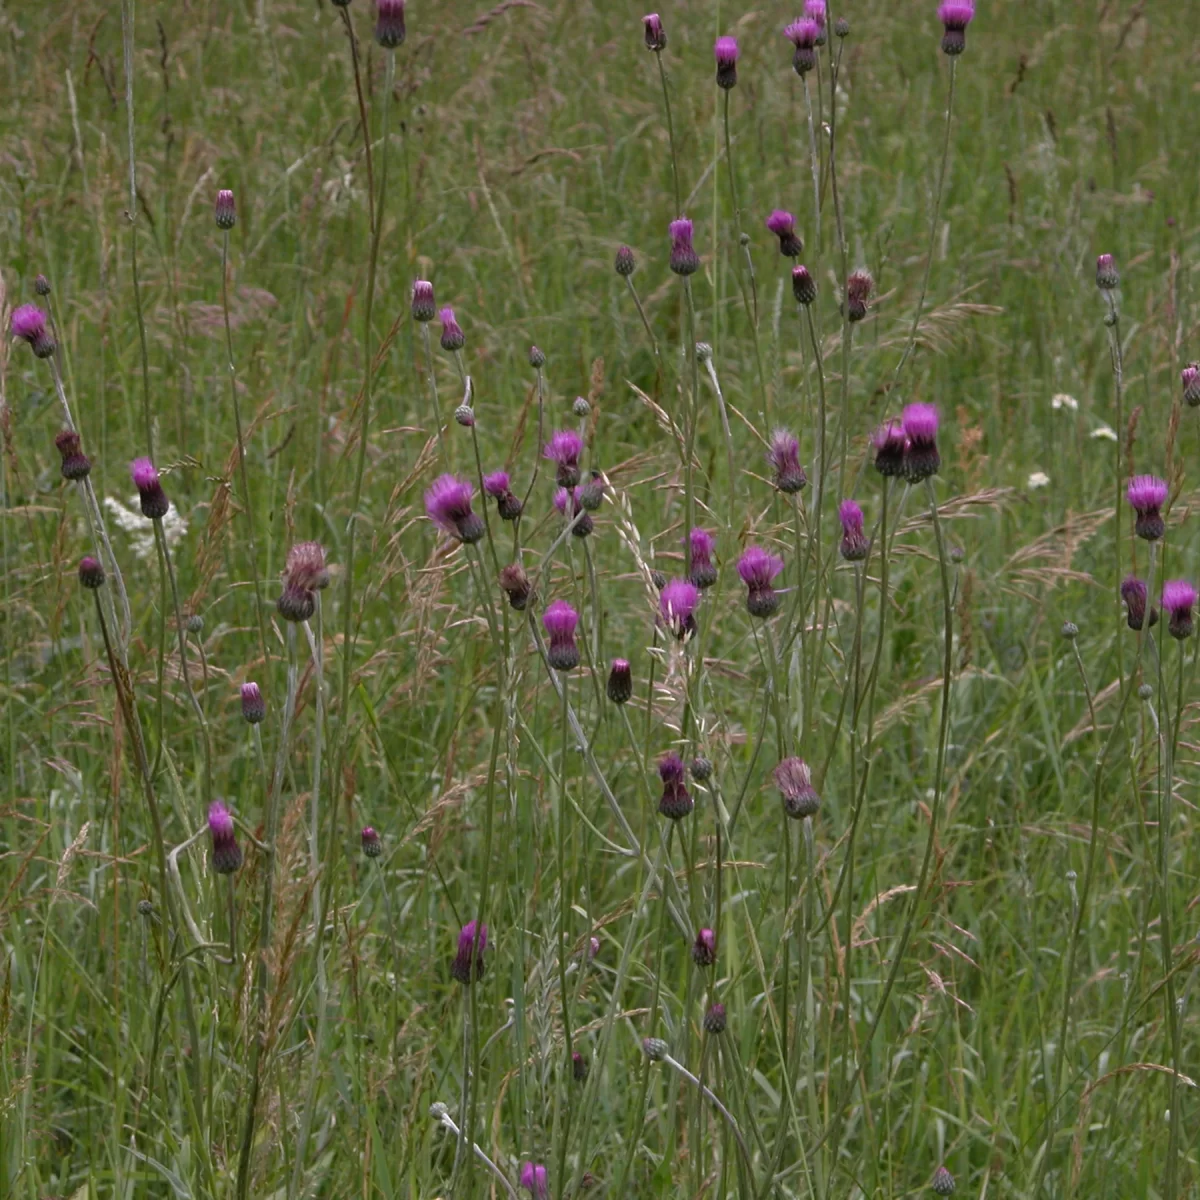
[599,603]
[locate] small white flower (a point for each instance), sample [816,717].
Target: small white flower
[1039,479]
[141,529]
[1103,433]
[1062,400]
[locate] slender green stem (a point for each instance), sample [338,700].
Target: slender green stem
[662,75]
[564,906]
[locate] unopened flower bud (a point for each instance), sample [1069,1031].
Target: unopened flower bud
[91,573]
[581,407]
[620,681]
[254,707]
[75,464]
[225,210]
[701,768]
[942,1182]
[625,263]
[1107,275]
[372,847]
[41,285]
[1070,630]
[655,1049]
[537,360]
[464,414]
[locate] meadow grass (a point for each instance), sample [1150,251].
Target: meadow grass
[980,952]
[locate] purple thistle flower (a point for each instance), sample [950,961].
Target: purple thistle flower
[684,259]
[560,620]
[254,707]
[704,948]
[150,490]
[372,847]
[75,464]
[620,681]
[496,484]
[1178,601]
[714,1019]
[448,505]
[942,1183]
[794,781]
[582,523]
[783,225]
[91,573]
[515,583]
[579,1067]
[508,504]
[226,853]
[784,455]
[534,1181]
[656,35]
[453,338]
[858,294]
[814,10]
[704,572]
[1135,594]
[1147,494]
[888,441]
[1107,276]
[677,604]
[1190,378]
[305,567]
[855,546]
[625,263]
[424,308]
[758,569]
[591,493]
[803,35]
[804,287]
[225,210]
[955,16]
[563,449]
[468,965]
[725,50]
[921,458]
[676,801]
[389,23]
[29,324]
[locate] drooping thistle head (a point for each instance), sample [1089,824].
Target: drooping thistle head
[858,294]
[453,338]
[803,35]
[91,573]
[1179,601]
[921,457]
[783,225]
[854,547]
[794,781]
[684,259]
[226,853]
[804,287]
[516,586]
[75,464]
[758,569]
[1108,278]
[389,23]
[1147,494]
[534,1180]
[225,210]
[28,323]
[656,35]
[468,965]
[620,681]
[955,16]
[784,456]
[701,545]
[677,606]
[498,486]
[448,506]
[560,620]
[1135,596]
[563,450]
[725,51]
[424,307]
[676,801]
[372,845]
[155,504]
[254,707]
[704,948]
[889,441]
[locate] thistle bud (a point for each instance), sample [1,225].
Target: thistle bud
[701,768]
[389,23]
[41,285]
[75,464]
[1190,378]
[91,573]
[714,1019]
[655,1049]
[515,584]
[858,294]
[625,263]
[537,360]
[620,681]
[1107,276]
[704,948]
[453,339]
[254,707]
[464,414]
[424,308]
[226,853]
[656,35]
[225,210]
[372,846]
[804,287]
[155,504]
[942,1182]
[581,408]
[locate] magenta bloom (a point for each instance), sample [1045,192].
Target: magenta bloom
[814,10]
[304,574]
[889,441]
[1178,601]
[75,464]
[921,458]
[858,294]
[496,484]
[448,505]
[423,306]
[794,781]
[784,455]
[684,259]
[533,1180]
[389,23]
[1147,494]
[804,287]
[803,35]
[254,707]
[758,570]
[725,51]
[225,210]
[569,502]
[468,965]
[1107,275]
[560,620]
[372,847]
[226,853]
[563,449]
[677,603]
[676,801]
[783,225]
[656,35]
[29,324]
[855,546]
[1190,378]
[955,16]
[703,571]
[149,488]
[704,948]
[453,338]
[620,681]
[1135,595]
[508,504]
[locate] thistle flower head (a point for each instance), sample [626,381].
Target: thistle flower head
[225,210]
[701,768]
[625,263]
[804,287]
[725,50]
[656,35]
[1147,494]
[453,337]
[677,604]
[515,583]
[372,846]
[468,965]
[803,35]
[560,620]
[704,948]
[496,484]
[1178,601]
[888,441]
[254,707]
[1107,276]
[75,464]
[41,285]
[305,567]
[569,502]
[620,681]
[815,10]
[591,492]
[701,545]
[91,573]
[149,488]
[714,1019]
[758,569]
[29,324]
[784,456]
[389,23]
[1135,596]
[563,449]
[955,16]
[783,225]
[1190,378]
[676,801]
[794,781]
[533,1180]
[854,546]
[448,505]
[537,358]
[226,853]
[921,457]
[655,1049]
[424,308]
[579,1067]
[942,1183]
[858,293]
[508,504]
[684,259]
